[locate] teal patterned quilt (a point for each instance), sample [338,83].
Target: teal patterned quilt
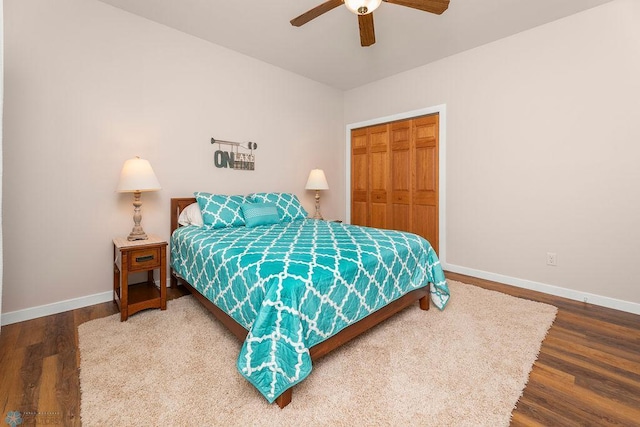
[292,285]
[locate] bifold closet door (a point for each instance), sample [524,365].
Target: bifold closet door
[394,176]
[370,177]
[379,176]
[401,161]
[424,184]
[359,177]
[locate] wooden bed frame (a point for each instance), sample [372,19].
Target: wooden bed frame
[421,295]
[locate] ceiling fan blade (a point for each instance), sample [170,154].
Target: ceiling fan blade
[367,33]
[315,12]
[433,6]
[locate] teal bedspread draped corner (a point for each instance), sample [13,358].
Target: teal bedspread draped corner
[293,285]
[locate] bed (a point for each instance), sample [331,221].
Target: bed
[293,291]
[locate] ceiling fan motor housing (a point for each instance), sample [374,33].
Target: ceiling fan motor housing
[362,7]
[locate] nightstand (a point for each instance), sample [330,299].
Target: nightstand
[133,257]
[339,221]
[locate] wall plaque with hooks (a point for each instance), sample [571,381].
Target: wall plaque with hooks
[234,159]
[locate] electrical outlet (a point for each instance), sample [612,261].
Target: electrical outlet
[552,259]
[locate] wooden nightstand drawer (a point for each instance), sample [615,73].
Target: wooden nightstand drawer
[144,258]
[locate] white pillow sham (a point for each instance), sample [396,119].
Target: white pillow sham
[191,215]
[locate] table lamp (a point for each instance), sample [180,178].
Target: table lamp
[136,177]
[317,181]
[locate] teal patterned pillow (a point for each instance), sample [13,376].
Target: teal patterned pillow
[260,214]
[219,211]
[289,206]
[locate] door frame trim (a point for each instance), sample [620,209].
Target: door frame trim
[441,110]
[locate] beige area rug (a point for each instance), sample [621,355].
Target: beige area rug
[464,366]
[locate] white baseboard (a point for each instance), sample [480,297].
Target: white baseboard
[55,308]
[58,307]
[627,306]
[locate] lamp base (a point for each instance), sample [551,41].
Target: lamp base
[317,215]
[137,233]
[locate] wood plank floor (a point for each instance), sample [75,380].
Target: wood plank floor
[587,374]
[588,370]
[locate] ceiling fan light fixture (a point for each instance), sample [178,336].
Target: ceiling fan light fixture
[362,7]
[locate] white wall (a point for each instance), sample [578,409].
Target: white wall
[543,144]
[89,86]
[1,110]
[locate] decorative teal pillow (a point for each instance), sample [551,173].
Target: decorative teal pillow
[260,214]
[219,211]
[289,207]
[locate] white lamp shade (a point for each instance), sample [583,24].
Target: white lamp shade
[137,175]
[317,180]
[362,7]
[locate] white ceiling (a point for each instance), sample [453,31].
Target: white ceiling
[328,50]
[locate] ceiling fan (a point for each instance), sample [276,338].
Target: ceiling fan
[364,9]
